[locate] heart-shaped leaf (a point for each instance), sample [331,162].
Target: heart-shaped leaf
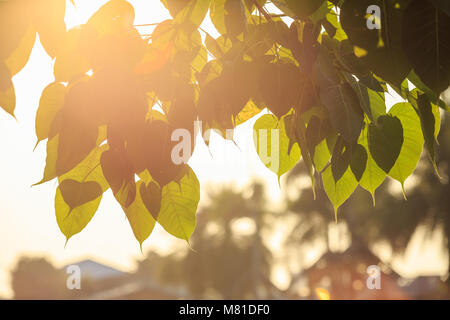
[77,193]
[385,141]
[151,197]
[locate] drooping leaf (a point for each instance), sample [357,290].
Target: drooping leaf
[118,170]
[77,193]
[372,102]
[385,141]
[70,221]
[52,100]
[179,205]
[358,162]
[151,196]
[379,44]
[73,217]
[428,124]
[19,57]
[140,219]
[14,22]
[427,44]
[273,145]
[193,13]
[342,103]
[412,142]
[338,191]
[228,16]
[302,8]
[373,175]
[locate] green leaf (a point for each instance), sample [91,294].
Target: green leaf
[50,162]
[340,159]
[249,111]
[373,175]
[427,44]
[358,162]
[430,125]
[19,57]
[273,145]
[70,221]
[72,217]
[179,205]
[77,193]
[229,17]
[151,196]
[342,103]
[140,219]
[193,13]
[380,45]
[412,142]
[338,191]
[372,102]
[385,141]
[52,100]
[119,171]
[302,8]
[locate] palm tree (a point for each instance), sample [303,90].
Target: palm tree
[392,219]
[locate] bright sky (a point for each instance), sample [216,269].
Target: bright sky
[27,221]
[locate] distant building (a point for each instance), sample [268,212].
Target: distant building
[344,276]
[102,282]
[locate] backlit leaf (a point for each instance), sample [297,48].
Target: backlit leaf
[179,205]
[274,146]
[52,100]
[412,142]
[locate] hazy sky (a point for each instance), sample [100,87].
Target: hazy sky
[27,221]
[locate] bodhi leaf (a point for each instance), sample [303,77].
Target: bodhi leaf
[19,57]
[250,110]
[273,145]
[193,13]
[77,193]
[358,161]
[430,125]
[379,45]
[338,191]
[140,219]
[151,196]
[412,142]
[373,175]
[71,220]
[342,103]
[228,16]
[14,21]
[179,202]
[118,170]
[427,44]
[385,141]
[300,8]
[52,100]
[372,102]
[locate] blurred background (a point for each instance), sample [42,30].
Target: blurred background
[255,239]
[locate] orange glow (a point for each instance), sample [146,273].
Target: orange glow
[322,294]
